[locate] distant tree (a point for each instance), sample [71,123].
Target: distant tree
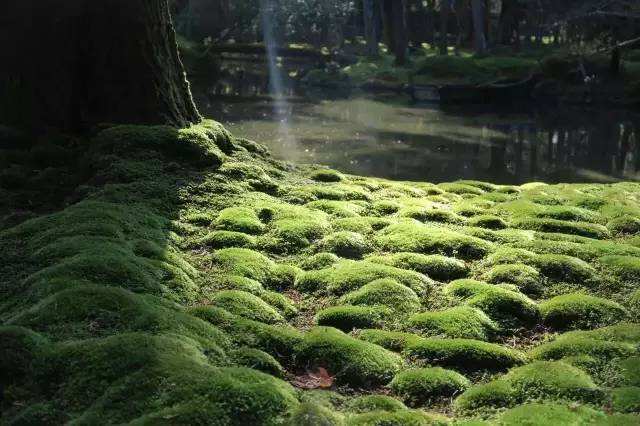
[445,10]
[479,18]
[395,22]
[371,16]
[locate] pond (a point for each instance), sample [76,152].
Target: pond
[387,136]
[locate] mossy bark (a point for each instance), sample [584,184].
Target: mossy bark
[71,64]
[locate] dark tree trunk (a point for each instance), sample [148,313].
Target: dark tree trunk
[445,9]
[479,20]
[75,63]
[371,15]
[395,20]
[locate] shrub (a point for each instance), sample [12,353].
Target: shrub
[580,311]
[458,322]
[422,385]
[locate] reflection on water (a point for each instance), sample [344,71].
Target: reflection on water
[387,137]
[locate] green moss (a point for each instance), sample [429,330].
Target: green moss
[257,360]
[504,306]
[352,361]
[18,349]
[550,414]
[350,275]
[461,188]
[252,264]
[327,175]
[580,311]
[624,225]
[250,174]
[226,239]
[395,341]
[626,399]
[420,386]
[435,266]
[630,369]
[345,244]
[368,403]
[246,305]
[279,301]
[239,219]
[488,221]
[510,255]
[526,278]
[319,261]
[584,229]
[414,237]
[431,215]
[458,322]
[624,267]
[385,292]
[347,317]
[340,209]
[313,414]
[465,354]
[397,418]
[386,207]
[538,380]
[564,268]
[582,343]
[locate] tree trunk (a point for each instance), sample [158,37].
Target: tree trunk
[479,38]
[371,14]
[395,21]
[75,63]
[445,8]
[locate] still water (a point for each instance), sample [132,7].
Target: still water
[387,136]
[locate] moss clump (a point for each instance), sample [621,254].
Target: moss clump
[431,215]
[504,306]
[347,317]
[526,278]
[345,244]
[539,414]
[488,221]
[580,311]
[564,268]
[368,403]
[327,175]
[630,369]
[598,345]
[352,361]
[252,264]
[313,414]
[420,386]
[461,188]
[435,266]
[349,275]
[226,239]
[385,292]
[626,399]
[542,379]
[246,305]
[465,354]
[459,322]
[584,229]
[624,267]
[291,228]
[386,207]
[18,349]
[239,219]
[624,225]
[319,261]
[392,340]
[397,418]
[257,360]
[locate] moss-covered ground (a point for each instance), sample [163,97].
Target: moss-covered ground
[160,276]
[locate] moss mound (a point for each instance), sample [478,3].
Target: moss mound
[392,340]
[435,266]
[252,264]
[626,399]
[368,403]
[553,414]
[257,360]
[239,219]
[348,317]
[385,292]
[542,380]
[397,418]
[312,414]
[625,267]
[352,361]
[345,244]
[526,278]
[465,354]
[421,385]
[581,311]
[246,305]
[327,175]
[458,322]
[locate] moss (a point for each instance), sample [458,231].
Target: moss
[279,301]
[312,414]
[584,229]
[526,278]
[246,305]
[564,268]
[397,418]
[541,380]
[580,311]
[461,188]
[352,361]
[465,354]
[431,215]
[19,347]
[395,341]
[510,255]
[368,403]
[488,221]
[345,244]
[420,386]
[341,209]
[539,414]
[347,317]
[279,341]
[251,174]
[385,292]
[579,344]
[226,239]
[630,369]
[239,219]
[327,175]
[624,225]
[414,237]
[435,266]
[349,275]
[319,261]
[252,264]
[386,207]
[504,306]
[624,267]
[458,322]
[626,399]
[257,360]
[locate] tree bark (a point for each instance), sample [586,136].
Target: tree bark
[395,20]
[71,64]
[479,38]
[445,9]
[371,15]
